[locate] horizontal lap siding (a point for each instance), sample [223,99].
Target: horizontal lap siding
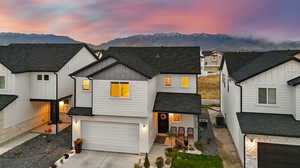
[273,78]
[135,105]
[83,97]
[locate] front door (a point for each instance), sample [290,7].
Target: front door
[163,122]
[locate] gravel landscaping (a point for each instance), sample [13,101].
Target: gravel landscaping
[38,152]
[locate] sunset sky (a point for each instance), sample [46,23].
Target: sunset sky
[97,21]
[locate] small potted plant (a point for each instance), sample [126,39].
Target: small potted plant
[78,145]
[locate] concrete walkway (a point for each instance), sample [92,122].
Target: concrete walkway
[226,148]
[16,141]
[97,159]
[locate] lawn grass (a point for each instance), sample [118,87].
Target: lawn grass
[208,87]
[185,160]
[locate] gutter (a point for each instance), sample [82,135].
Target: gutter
[56,110]
[74,90]
[241,110]
[92,93]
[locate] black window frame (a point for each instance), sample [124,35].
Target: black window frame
[46,77]
[39,77]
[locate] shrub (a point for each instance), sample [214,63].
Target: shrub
[159,162]
[199,145]
[146,163]
[137,165]
[168,161]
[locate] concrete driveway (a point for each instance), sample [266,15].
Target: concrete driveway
[96,159]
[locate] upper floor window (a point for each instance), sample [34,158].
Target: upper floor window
[266,95]
[185,82]
[119,89]
[39,77]
[2,82]
[168,81]
[86,85]
[46,77]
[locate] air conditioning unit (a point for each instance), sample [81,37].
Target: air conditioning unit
[220,121]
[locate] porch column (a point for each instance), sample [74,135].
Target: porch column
[198,116]
[54,115]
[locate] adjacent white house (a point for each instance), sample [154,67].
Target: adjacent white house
[34,84]
[260,101]
[133,93]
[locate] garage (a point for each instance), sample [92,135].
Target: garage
[109,136]
[278,156]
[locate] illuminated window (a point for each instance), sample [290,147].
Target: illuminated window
[176,117]
[168,81]
[185,81]
[86,85]
[119,89]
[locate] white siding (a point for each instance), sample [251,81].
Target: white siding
[83,97]
[135,105]
[66,83]
[151,95]
[230,105]
[297,102]
[273,78]
[176,84]
[42,89]
[9,77]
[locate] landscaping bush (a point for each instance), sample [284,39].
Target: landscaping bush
[168,161]
[199,145]
[136,165]
[159,162]
[187,160]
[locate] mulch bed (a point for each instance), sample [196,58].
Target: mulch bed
[38,152]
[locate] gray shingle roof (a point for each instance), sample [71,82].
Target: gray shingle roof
[81,111]
[20,58]
[244,65]
[5,100]
[177,103]
[294,82]
[269,124]
[151,61]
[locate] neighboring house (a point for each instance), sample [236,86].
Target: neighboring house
[133,93]
[211,61]
[260,100]
[34,84]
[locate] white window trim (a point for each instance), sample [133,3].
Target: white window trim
[266,105]
[86,90]
[120,98]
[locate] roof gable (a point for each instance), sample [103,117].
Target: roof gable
[20,58]
[244,65]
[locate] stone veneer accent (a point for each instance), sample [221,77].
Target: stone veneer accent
[11,132]
[251,147]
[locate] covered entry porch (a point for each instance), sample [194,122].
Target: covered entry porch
[178,113]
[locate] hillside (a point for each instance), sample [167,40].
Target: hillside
[206,41]
[7,38]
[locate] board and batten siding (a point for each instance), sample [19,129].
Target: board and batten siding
[230,105]
[42,89]
[83,97]
[274,78]
[297,102]
[151,95]
[65,82]
[9,77]
[119,72]
[133,106]
[176,83]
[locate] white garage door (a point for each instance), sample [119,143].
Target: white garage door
[107,136]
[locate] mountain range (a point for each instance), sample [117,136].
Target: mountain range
[221,42]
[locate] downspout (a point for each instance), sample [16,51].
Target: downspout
[241,110]
[92,93]
[56,104]
[73,105]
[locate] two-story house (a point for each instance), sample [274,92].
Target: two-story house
[260,101]
[133,93]
[34,84]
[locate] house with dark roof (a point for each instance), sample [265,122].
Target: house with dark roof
[210,62]
[260,100]
[35,87]
[132,94]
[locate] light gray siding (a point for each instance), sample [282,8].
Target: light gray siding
[83,97]
[120,72]
[42,89]
[176,83]
[133,106]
